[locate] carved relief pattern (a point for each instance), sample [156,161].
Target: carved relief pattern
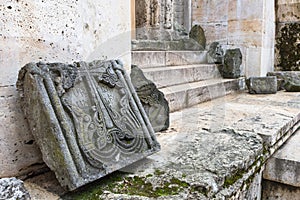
[168,14]
[105,123]
[86,118]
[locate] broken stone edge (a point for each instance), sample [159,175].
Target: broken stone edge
[37,109]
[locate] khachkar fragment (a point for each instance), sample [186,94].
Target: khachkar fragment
[153,100]
[86,117]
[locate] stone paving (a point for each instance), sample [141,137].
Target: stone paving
[214,150]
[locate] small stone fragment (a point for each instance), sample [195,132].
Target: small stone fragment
[262,85]
[197,33]
[13,189]
[232,64]
[153,100]
[215,53]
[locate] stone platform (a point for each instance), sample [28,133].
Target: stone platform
[215,150]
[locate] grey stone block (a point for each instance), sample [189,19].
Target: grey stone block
[287,80]
[262,85]
[232,64]
[153,100]
[13,189]
[86,118]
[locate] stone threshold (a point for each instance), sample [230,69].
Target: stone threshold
[214,150]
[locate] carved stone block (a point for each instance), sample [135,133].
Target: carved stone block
[86,117]
[153,100]
[262,85]
[232,64]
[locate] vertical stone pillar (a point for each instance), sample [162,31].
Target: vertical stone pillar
[154,13]
[168,14]
[187,14]
[251,27]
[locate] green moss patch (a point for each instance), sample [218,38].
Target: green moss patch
[121,183]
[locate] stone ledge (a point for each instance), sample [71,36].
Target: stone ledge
[208,148]
[284,165]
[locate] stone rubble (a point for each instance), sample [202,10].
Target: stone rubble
[13,189]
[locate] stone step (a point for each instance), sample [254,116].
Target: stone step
[184,44]
[175,75]
[190,94]
[147,59]
[284,165]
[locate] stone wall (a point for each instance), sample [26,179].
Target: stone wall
[246,24]
[162,19]
[51,31]
[287,35]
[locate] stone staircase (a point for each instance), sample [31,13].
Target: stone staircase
[184,76]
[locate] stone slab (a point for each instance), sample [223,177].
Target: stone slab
[148,59]
[284,165]
[262,85]
[175,75]
[86,118]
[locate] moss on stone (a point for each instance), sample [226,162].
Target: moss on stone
[230,180]
[120,183]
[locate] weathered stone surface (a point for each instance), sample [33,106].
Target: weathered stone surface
[215,150]
[277,191]
[288,46]
[160,45]
[161,20]
[20,154]
[86,118]
[13,189]
[262,85]
[175,75]
[284,165]
[232,64]
[153,100]
[197,33]
[215,53]
[73,34]
[288,80]
[148,59]
[38,193]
